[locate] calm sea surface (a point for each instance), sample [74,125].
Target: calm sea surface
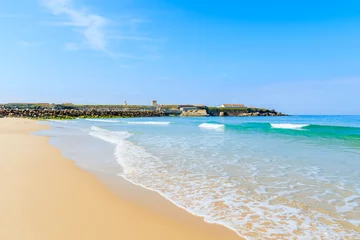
[292,177]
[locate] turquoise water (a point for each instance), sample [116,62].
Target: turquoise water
[263,177]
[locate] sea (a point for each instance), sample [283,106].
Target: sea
[291,177]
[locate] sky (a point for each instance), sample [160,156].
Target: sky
[298,57]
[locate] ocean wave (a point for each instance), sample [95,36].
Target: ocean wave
[109,136]
[102,120]
[118,139]
[288,126]
[190,189]
[145,170]
[350,133]
[150,123]
[211,126]
[308,126]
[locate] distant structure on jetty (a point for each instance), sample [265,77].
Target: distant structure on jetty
[70,110]
[233,106]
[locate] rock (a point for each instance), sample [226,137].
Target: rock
[194,113]
[121,112]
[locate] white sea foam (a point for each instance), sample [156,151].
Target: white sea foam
[114,137]
[109,136]
[288,126]
[150,123]
[211,126]
[349,205]
[102,120]
[188,183]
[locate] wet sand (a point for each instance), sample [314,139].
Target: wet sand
[46,196]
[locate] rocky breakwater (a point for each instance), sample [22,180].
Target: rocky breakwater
[194,113]
[243,112]
[76,113]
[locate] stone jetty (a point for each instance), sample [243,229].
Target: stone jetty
[37,111]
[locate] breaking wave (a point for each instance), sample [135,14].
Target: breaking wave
[217,199]
[288,126]
[211,126]
[150,123]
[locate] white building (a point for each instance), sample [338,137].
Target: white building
[233,106]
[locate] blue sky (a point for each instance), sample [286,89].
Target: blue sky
[299,57]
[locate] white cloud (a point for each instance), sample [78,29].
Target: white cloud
[91,26]
[98,32]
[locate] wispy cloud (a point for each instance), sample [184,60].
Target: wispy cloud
[92,26]
[102,34]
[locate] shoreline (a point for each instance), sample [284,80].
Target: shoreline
[161,204]
[47,196]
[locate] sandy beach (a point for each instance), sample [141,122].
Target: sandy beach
[46,196]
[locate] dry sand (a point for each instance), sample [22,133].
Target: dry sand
[46,196]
